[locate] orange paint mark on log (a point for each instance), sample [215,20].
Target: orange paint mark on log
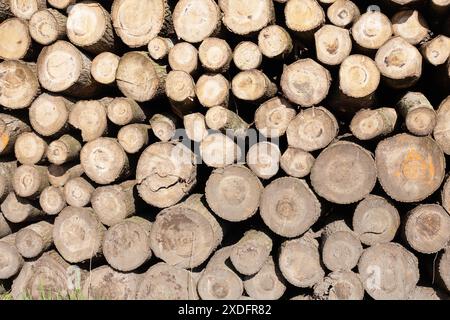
[4,139]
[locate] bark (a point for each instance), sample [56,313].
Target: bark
[247,55]
[34,239]
[30,148]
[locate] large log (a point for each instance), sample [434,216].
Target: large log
[16,41]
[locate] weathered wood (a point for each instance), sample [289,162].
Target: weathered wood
[24,9]
[267,284]
[372,30]
[47,26]
[10,258]
[340,285]
[183,57]
[34,239]
[273,117]
[304,17]
[6,173]
[212,90]
[104,67]
[263,158]
[16,41]
[29,180]
[296,162]
[437,50]
[369,124]
[163,126]
[89,116]
[122,111]
[218,150]
[10,128]
[195,126]
[220,118]
[419,114]
[59,175]
[253,85]
[215,54]
[333,44]
[180,89]
[247,55]
[16,209]
[64,149]
[342,13]
[133,137]
[30,148]
[275,42]
[78,192]
[411,26]
[52,200]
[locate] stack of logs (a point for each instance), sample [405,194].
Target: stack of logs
[230,149]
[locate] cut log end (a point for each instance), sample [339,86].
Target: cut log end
[263,159]
[17,40]
[342,13]
[304,17]
[333,44]
[47,26]
[253,85]
[212,90]
[183,57]
[52,200]
[30,148]
[275,42]
[30,180]
[31,241]
[372,30]
[104,67]
[247,55]
[369,124]
[296,162]
[340,285]
[218,150]
[266,284]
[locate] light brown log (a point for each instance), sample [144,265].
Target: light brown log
[127,244]
[30,148]
[296,162]
[303,252]
[49,114]
[114,203]
[304,17]
[441,132]
[166,172]
[16,41]
[59,175]
[195,126]
[220,118]
[289,207]
[78,234]
[342,13]
[437,50]
[104,283]
[233,192]
[263,158]
[219,283]
[266,284]
[52,200]
[104,67]
[341,247]
[388,271]
[247,55]
[333,44]
[138,77]
[180,89]
[78,192]
[183,57]
[34,239]
[10,128]
[305,82]
[245,17]
[444,268]
[89,27]
[424,293]
[411,26]
[215,54]
[30,180]
[166,282]
[253,85]
[185,235]
[419,114]
[47,26]
[427,228]
[273,117]
[399,62]
[5,228]
[89,116]
[375,220]
[104,160]
[369,124]
[163,126]
[24,9]
[16,209]
[64,149]
[212,90]
[340,285]
[136,22]
[159,47]
[62,67]
[10,259]
[344,173]
[122,111]
[196,20]
[7,169]
[133,137]
[218,150]
[61,4]
[312,129]
[409,168]
[275,42]
[251,252]
[19,83]
[371,30]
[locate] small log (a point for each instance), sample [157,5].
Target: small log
[246,17]
[312,129]
[253,85]
[273,117]
[219,283]
[183,57]
[411,26]
[16,209]
[220,118]
[266,284]
[11,260]
[122,111]
[17,41]
[344,173]
[444,269]
[247,55]
[305,82]
[20,85]
[61,4]
[399,62]
[289,207]
[127,244]
[114,203]
[212,90]
[263,158]
[342,13]
[24,9]
[133,137]
[441,132]
[59,175]
[78,234]
[30,180]
[159,47]
[166,282]
[52,200]
[104,67]
[218,150]
[34,239]
[6,174]
[437,50]
[251,252]
[424,293]
[427,228]
[215,55]
[375,220]
[63,150]
[47,26]
[303,251]
[195,126]
[138,77]
[340,285]
[304,17]
[78,192]
[163,126]
[166,172]
[180,89]
[369,124]
[196,20]
[89,116]
[104,160]
[409,168]
[388,271]
[10,129]
[419,114]
[333,44]
[371,30]
[30,148]
[275,42]
[49,114]
[296,162]
[5,228]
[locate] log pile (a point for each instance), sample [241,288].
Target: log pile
[224,149]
